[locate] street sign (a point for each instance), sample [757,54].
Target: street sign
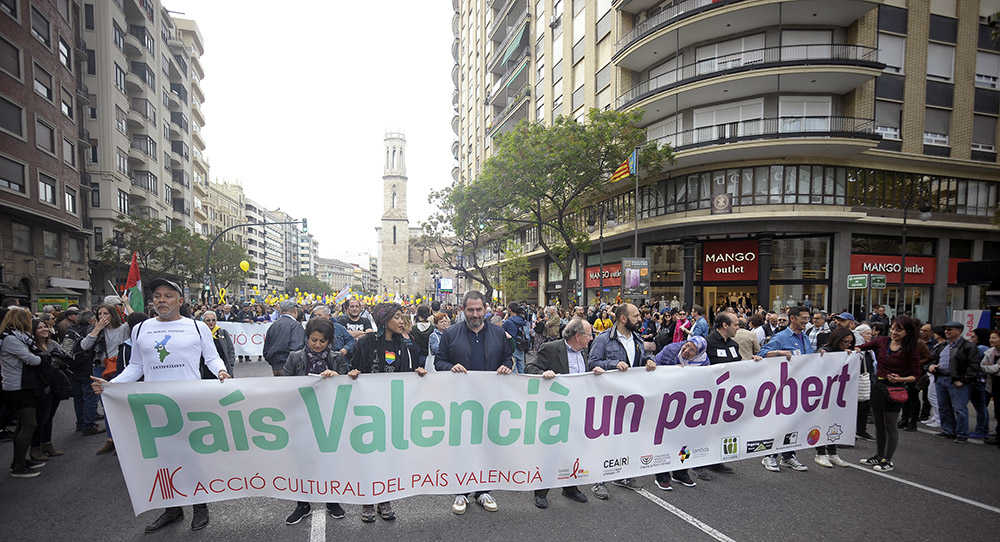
[878,282]
[858,282]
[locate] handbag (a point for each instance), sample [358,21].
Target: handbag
[898,394]
[864,387]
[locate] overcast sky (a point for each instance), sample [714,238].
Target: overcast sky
[299,96]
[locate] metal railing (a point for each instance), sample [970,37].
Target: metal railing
[770,128]
[519,98]
[501,17]
[750,59]
[144,108]
[668,15]
[504,80]
[515,28]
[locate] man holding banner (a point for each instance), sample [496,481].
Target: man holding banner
[167,348]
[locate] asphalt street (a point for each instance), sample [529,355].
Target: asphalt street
[939,491]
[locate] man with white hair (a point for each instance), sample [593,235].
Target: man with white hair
[285,335]
[343,341]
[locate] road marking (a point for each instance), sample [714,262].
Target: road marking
[697,523]
[933,432]
[317,533]
[958,498]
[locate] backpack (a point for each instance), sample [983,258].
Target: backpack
[421,338]
[522,340]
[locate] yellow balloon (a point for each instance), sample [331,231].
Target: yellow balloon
[245,266]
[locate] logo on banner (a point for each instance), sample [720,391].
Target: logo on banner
[812,437]
[615,465]
[763,445]
[684,454]
[649,460]
[834,432]
[575,472]
[730,448]
[688,453]
[791,439]
[164,480]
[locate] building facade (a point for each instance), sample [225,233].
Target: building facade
[336,273]
[256,244]
[44,188]
[806,134]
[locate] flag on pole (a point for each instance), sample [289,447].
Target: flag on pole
[342,295]
[629,167]
[133,287]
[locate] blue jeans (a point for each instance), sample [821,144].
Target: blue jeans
[518,361]
[953,406]
[980,401]
[84,403]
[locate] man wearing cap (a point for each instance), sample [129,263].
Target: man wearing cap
[285,335]
[952,375]
[169,347]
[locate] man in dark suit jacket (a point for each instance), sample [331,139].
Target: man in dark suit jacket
[563,356]
[284,336]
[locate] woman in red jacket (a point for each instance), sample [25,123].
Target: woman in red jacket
[899,358]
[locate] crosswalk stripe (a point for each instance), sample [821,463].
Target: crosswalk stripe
[317,530]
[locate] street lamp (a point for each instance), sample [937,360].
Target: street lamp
[914,194]
[604,214]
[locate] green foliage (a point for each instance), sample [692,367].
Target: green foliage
[544,178]
[306,283]
[514,275]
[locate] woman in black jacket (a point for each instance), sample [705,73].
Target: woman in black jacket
[385,351]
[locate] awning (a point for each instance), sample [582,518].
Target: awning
[514,75]
[513,46]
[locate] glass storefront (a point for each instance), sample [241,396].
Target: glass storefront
[814,296]
[916,301]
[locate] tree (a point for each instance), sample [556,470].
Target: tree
[459,232]
[514,274]
[545,177]
[306,283]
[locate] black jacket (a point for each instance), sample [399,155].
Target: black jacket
[963,361]
[284,336]
[455,349]
[369,354]
[297,360]
[722,350]
[552,356]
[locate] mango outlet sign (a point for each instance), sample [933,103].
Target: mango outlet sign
[391,436]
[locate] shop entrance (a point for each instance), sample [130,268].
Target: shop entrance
[728,296]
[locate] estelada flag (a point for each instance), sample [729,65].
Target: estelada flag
[628,167]
[133,287]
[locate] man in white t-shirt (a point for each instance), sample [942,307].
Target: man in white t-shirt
[170,347]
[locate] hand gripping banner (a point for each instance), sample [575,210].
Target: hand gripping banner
[389,436]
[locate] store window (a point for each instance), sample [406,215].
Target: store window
[813,296]
[800,258]
[914,301]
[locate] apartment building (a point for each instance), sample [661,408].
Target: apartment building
[336,273]
[808,134]
[255,239]
[308,252]
[44,238]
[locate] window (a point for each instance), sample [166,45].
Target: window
[665,131]
[603,78]
[122,162]
[93,112]
[94,154]
[122,202]
[10,59]
[940,61]
[887,119]
[719,121]
[88,16]
[987,69]
[50,244]
[732,54]
[804,113]
[12,175]
[11,118]
[805,44]
[936,122]
[891,52]
[984,131]
[40,27]
[43,83]
[95,195]
[45,136]
[121,121]
[69,152]
[71,201]
[76,250]
[67,104]
[9,7]
[46,189]
[65,56]
[91,62]
[119,78]
[98,237]
[119,35]
[22,237]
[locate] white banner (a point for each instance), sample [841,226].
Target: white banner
[247,338]
[389,436]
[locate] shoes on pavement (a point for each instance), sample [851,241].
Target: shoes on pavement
[823,461]
[721,468]
[335,510]
[626,482]
[168,516]
[600,491]
[944,435]
[866,436]
[36,454]
[703,474]
[770,463]
[486,501]
[910,428]
[934,424]
[574,494]
[50,450]
[109,446]
[368,513]
[871,461]
[885,465]
[301,510]
[92,430]
[24,472]
[978,435]
[385,512]
[663,485]
[541,501]
[838,461]
[458,507]
[961,440]
[32,464]
[682,477]
[199,517]
[793,463]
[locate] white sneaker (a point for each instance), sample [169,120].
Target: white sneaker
[770,464]
[486,501]
[793,463]
[823,461]
[933,423]
[460,504]
[836,460]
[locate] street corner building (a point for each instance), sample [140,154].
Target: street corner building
[810,136]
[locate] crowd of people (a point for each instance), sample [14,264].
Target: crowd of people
[912,372]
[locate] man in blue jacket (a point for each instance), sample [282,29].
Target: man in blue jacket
[517,327]
[471,345]
[619,348]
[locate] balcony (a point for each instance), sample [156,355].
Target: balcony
[179,91]
[454,74]
[145,180]
[199,159]
[196,68]
[196,93]
[181,206]
[142,148]
[144,73]
[196,115]
[771,138]
[454,50]
[455,172]
[510,43]
[180,120]
[454,99]
[134,83]
[454,124]
[180,178]
[514,112]
[506,18]
[133,47]
[199,142]
[140,112]
[686,22]
[808,69]
[454,149]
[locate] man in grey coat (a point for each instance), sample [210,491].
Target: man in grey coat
[285,335]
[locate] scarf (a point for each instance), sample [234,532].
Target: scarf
[215,331]
[316,362]
[700,356]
